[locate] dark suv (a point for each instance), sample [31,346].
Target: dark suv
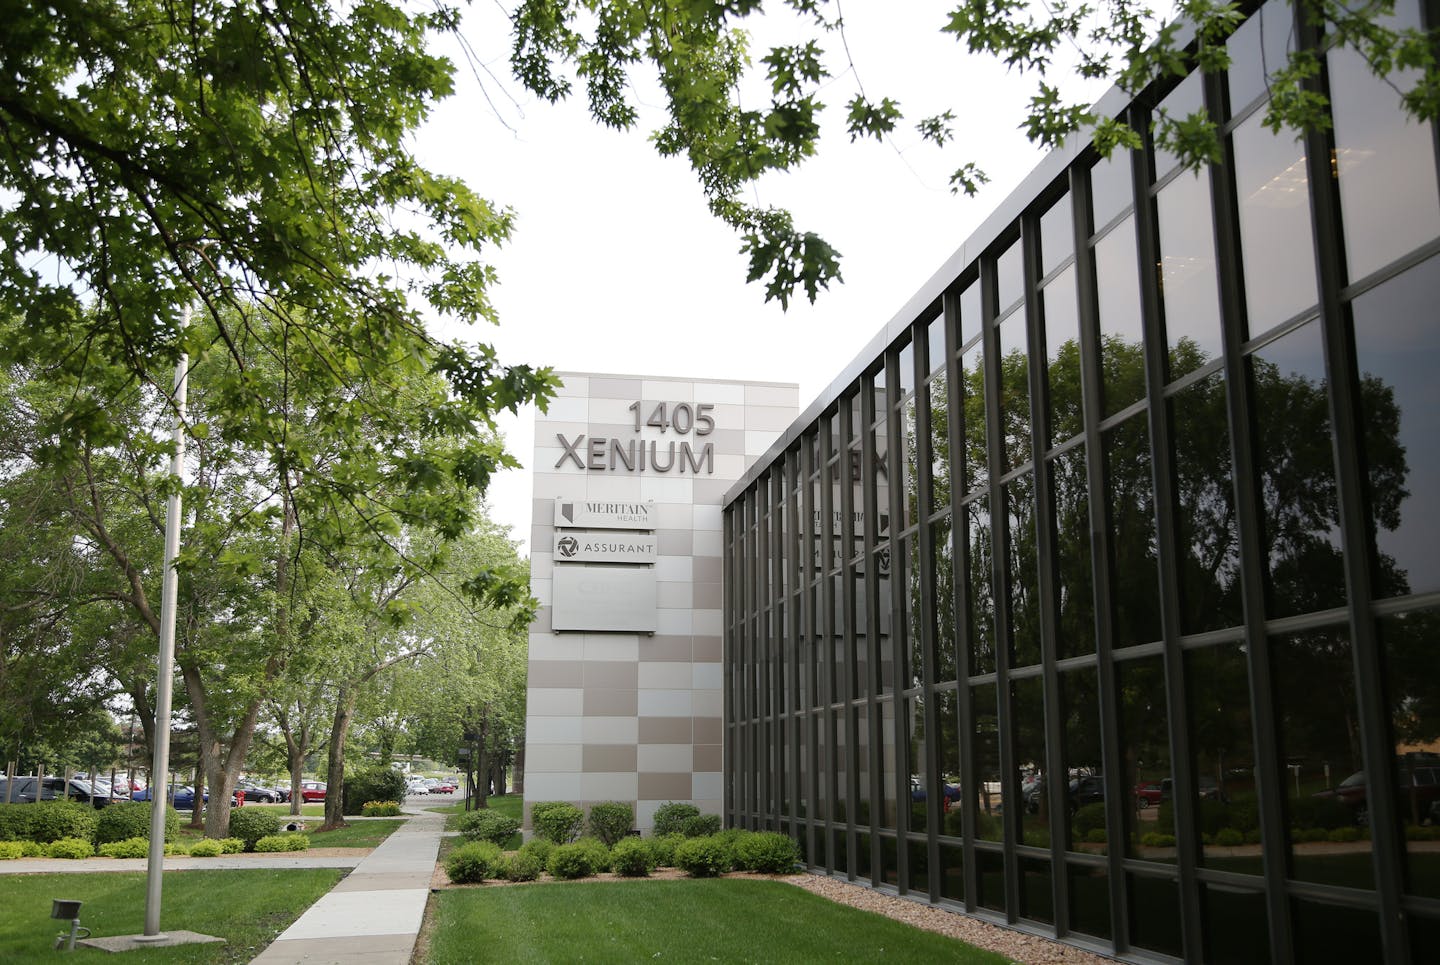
[28,790]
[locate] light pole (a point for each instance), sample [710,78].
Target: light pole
[170,585]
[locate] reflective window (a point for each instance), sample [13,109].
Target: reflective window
[1083,761]
[904,463]
[1074,587]
[1385,159]
[971,313]
[906,368]
[1027,715]
[1154,914]
[935,344]
[1089,899]
[1117,280]
[1397,344]
[1024,572]
[972,370]
[1276,244]
[1180,103]
[1009,277]
[1236,931]
[1324,779]
[939,449]
[1133,544]
[914,654]
[947,640]
[1111,190]
[1414,698]
[1205,508]
[1062,357]
[1014,391]
[1217,680]
[980,593]
[986,744]
[1297,467]
[1258,49]
[1187,274]
[1057,235]
[1145,746]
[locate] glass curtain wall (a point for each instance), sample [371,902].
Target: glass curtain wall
[1105,602]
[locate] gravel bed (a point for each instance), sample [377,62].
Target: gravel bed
[1017,946]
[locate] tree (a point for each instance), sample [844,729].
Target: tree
[700,55]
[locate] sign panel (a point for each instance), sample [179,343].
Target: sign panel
[604,513]
[605,547]
[603,598]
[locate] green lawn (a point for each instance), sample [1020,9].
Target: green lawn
[361,834]
[246,908]
[725,920]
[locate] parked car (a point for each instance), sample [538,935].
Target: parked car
[259,793]
[312,790]
[416,787]
[1418,776]
[446,786]
[1149,794]
[28,790]
[951,792]
[181,798]
[1089,789]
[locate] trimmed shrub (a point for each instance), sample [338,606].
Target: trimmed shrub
[539,848]
[252,824]
[522,866]
[380,809]
[671,816]
[32,849]
[1154,839]
[53,820]
[487,825]
[177,848]
[473,862]
[371,784]
[283,842]
[129,848]
[702,857]
[1320,812]
[232,845]
[556,821]
[701,826]
[131,819]
[632,858]
[1230,837]
[207,848]
[1087,819]
[1345,835]
[610,821]
[71,848]
[1095,836]
[569,861]
[662,849]
[599,853]
[15,822]
[11,850]
[767,852]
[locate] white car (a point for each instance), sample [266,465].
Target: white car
[416,787]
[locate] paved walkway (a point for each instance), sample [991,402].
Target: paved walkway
[373,916]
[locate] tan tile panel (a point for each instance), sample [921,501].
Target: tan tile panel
[555,673]
[707,596]
[611,675]
[708,730]
[611,703]
[707,757]
[609,757]
[706,649]
[665,787]
[665,730]
[614,388]
[665,647]
[707,569]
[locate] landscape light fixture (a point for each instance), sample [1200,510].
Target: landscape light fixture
[66,909]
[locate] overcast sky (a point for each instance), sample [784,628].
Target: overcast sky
[616,266]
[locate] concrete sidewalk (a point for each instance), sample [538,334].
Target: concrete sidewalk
[373,916]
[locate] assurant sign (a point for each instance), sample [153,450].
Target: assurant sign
[636,455]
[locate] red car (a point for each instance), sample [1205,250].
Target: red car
[312,790]
[1149,794]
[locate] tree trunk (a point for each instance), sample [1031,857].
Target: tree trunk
[520,766]
[482,760]
[335,772]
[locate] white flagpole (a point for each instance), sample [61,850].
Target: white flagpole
[161,769]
